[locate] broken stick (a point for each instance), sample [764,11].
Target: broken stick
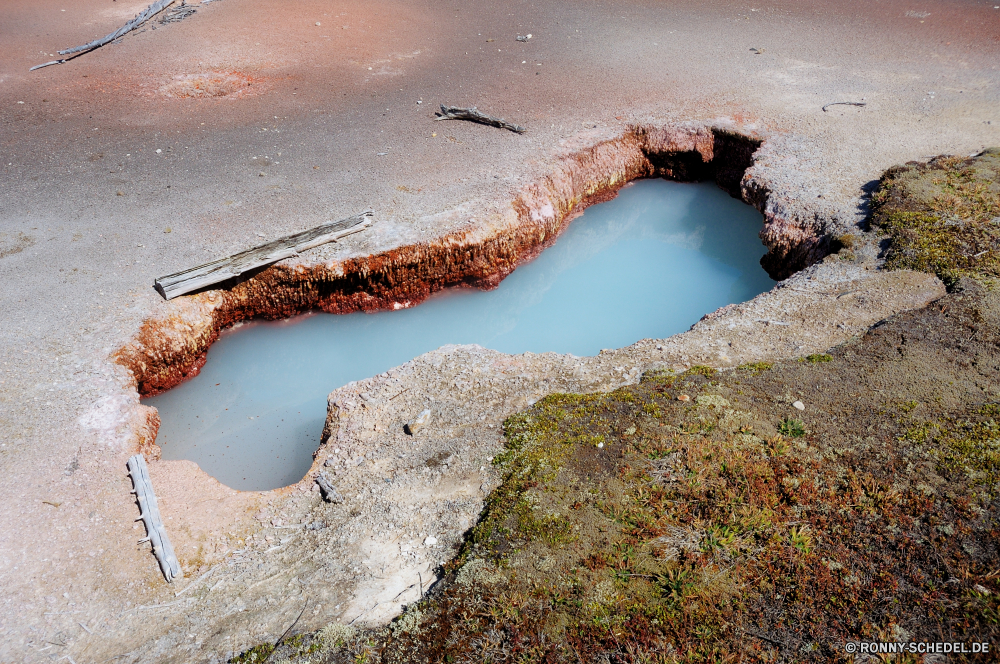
[144,16]
[845,103]
[473,115]
[186,281]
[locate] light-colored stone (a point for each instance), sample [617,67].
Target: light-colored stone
[418,423]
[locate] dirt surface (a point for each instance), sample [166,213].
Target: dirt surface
[183,143]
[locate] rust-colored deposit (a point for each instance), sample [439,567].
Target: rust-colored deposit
[172,347]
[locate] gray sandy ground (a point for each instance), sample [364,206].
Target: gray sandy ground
[112,173]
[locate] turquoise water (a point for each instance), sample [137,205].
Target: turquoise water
[647,264]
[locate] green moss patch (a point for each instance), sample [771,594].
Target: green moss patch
[942,216]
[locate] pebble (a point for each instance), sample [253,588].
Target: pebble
[430,541]
[799,405]
[413,426]
[684,397]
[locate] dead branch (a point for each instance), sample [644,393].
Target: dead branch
[149,512]
[143,16]
[473,115]
[844,103]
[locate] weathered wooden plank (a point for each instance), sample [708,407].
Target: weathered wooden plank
[146,14]
[149,512]
[474,115]
[187,281]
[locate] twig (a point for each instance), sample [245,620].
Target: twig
[844,103]
[473,115]
[178,13]
[765,638]
[144,16]
[278,642]
[403,591]
[161,606]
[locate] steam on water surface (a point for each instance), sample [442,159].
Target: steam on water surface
[647,264]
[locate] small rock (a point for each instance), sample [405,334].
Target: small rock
[317,23]
[430,541]
[261,174]
[684,397]
[982,590]
[799,405]
[330,494]
[422,420]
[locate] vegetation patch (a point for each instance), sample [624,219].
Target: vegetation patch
[942,216]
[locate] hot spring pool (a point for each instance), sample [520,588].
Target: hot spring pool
[647,264]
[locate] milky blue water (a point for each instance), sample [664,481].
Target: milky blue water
[647,264]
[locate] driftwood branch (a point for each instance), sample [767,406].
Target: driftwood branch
[473,115]
[146,14]
[149,512]
[845,103]
[186,281]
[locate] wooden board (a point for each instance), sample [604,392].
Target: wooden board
[199,277]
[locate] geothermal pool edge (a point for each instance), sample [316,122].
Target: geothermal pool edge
[439,477]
